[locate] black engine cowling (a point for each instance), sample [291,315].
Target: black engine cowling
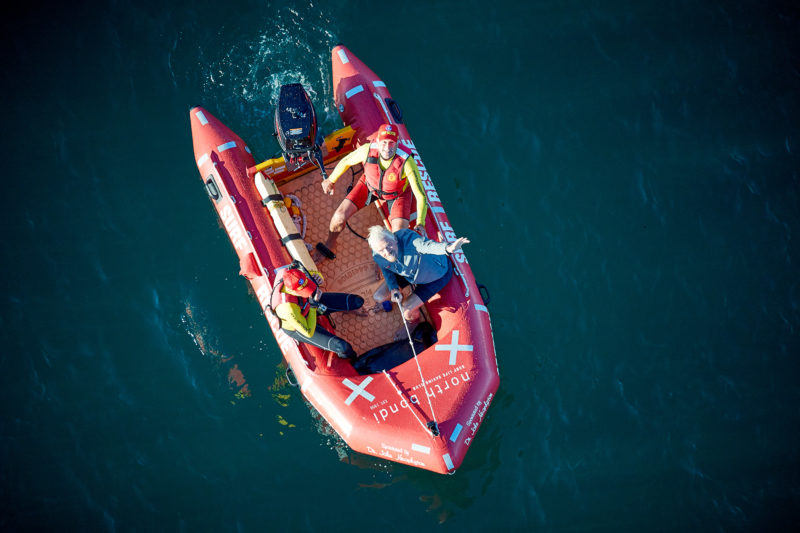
[296,128]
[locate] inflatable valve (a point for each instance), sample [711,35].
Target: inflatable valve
[272,199]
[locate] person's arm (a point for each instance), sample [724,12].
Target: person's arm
[356,157]
[411,173]
[391,279]
[424,245]
[388,275]
[427,246]
[292,319]
[455,246]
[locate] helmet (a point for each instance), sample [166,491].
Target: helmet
[298,283]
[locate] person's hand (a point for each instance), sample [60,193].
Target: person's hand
[397,296]
[455,246]
[420,228]
[327,187]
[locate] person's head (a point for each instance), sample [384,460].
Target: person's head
[383,243]
[298,283]
[386,139]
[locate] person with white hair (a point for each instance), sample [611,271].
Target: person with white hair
[406,258]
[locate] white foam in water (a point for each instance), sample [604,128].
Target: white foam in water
[254,70]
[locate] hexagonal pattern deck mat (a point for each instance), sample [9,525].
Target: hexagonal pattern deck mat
[353,270]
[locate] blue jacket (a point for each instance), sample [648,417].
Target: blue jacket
[419,260]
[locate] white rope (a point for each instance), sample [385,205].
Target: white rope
[419,368]
[413,412]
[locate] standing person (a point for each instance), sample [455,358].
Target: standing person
[297,301]
[390,174]
[406,258]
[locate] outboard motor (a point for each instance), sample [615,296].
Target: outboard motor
[296,129]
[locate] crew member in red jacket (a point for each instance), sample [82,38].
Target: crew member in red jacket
[297,301]
[390,174]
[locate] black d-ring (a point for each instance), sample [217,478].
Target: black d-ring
[484,293]
[211,188]
[394,109]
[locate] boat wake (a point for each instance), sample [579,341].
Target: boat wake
[291,48]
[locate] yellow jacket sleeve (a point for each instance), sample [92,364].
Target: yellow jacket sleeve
[293,320]
[356,157]
[411,173]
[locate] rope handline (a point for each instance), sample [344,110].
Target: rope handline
[353,175]
[399,393]
[435,428]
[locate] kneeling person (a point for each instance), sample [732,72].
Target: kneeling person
[407,258]
[297,301]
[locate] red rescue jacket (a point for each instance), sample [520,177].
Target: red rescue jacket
[385,184]
[279,297]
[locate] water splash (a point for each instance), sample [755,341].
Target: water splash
[290,48]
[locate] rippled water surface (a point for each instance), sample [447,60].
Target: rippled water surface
[627,173]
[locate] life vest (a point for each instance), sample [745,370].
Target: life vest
[385,184]
[279,297]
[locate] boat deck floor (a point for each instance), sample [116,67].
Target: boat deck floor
[353,270]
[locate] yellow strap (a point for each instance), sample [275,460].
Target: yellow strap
[268,163]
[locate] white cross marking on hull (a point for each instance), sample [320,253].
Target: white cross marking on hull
[358,390]
[454,347]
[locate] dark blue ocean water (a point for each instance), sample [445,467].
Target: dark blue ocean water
[628,175]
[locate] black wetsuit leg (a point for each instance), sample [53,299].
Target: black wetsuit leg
[341,301]
[325,340]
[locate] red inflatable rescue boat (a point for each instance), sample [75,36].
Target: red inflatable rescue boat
[421,409]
